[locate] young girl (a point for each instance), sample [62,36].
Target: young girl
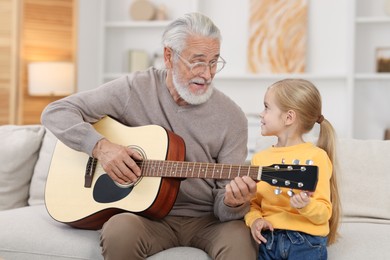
[300,226]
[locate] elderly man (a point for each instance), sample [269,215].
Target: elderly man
[207,213]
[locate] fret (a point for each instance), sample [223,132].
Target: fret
[156,168]
[168,170]
[151,168]
[162,172]
[214,172]
[187,169]
[214,169]
[181,170]
[144,168]
[174,171]
[207,166]
[230,171]
[148,170]
[249,171]
[239,170]
[200,167]
[220,175]
[193,169]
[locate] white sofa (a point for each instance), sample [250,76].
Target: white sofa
[28,232]
[26,229]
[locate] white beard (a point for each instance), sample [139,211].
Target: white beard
[184,92]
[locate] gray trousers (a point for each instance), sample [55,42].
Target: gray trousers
[129,236]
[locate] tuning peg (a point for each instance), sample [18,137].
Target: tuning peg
[278,191]
[295,162]
[309,162]
[290,193]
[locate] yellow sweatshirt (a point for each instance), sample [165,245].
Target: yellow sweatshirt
[312,219]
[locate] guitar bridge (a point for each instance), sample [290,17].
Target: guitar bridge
[89,172]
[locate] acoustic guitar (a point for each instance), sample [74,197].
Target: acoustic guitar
[81,194]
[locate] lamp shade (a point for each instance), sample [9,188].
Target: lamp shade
[51,78]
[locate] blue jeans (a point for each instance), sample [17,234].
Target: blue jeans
[286,244]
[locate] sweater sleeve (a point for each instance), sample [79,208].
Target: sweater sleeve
[234,152]
[70,118]
[319,210]
[255,211]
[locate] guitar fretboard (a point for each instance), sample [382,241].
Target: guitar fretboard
[158,168]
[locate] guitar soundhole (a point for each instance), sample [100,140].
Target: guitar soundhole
[106,191]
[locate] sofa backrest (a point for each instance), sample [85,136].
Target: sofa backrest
[364,180]
[41,170]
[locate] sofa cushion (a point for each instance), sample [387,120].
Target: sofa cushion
[364,179]
[180,253]
[361,241]
[19,152]
[30,233]
[41,169]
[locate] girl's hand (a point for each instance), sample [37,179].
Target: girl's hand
[258,226]
[300,200]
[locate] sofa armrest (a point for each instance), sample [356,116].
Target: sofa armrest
[18,155]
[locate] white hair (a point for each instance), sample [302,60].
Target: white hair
[190,24]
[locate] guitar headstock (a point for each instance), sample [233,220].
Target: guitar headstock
[301,177]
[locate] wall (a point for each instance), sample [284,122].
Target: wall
[88,44]
[330,61]
[31,30]
[47,32]
[8,60]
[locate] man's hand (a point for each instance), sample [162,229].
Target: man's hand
[239,191]
[118,161]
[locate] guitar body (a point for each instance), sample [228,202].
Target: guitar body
[68,201]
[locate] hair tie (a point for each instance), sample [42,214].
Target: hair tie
[320,119]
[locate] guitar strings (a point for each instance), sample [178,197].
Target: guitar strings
[197,167]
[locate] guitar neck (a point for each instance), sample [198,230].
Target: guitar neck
[179,169]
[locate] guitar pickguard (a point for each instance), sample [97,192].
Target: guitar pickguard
[106,191]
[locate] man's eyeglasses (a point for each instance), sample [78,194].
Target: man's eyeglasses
[200,67]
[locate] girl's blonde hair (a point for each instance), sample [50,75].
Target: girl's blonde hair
[305,99]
